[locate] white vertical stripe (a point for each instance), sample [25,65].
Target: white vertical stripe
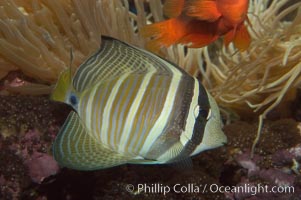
[90,109]
[99,104]
[134,108]
[162,120]
[83,108]
[88,72]
[69,139]
[104,132]
[192,114]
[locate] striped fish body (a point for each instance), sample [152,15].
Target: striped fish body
[133,107]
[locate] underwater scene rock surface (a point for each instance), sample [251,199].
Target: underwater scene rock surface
[28,126]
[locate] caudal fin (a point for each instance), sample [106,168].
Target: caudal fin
[163,34]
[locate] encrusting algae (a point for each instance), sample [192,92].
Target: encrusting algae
[36,38]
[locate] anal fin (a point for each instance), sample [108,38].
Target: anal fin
[184,163]
[76,149]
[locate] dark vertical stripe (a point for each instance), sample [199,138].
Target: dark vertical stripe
[177,119]
[200,122]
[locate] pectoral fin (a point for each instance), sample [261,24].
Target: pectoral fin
[75,148]
[242,38]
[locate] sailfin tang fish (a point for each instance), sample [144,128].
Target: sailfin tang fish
[131,106]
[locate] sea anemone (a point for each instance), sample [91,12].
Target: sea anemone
[270,70]
[36,36]
[262,76]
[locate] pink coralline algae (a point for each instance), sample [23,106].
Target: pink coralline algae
[28,126]
[10,186]
[263,180]
[40,164]
[287,155]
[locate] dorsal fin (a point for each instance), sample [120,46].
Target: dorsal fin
[115,58]
[75,148]
[203,9]
[71,63]
[173,8]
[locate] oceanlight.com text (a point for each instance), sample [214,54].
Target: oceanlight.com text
[159,188]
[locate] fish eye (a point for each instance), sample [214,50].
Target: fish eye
[202,112]
[73,99]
